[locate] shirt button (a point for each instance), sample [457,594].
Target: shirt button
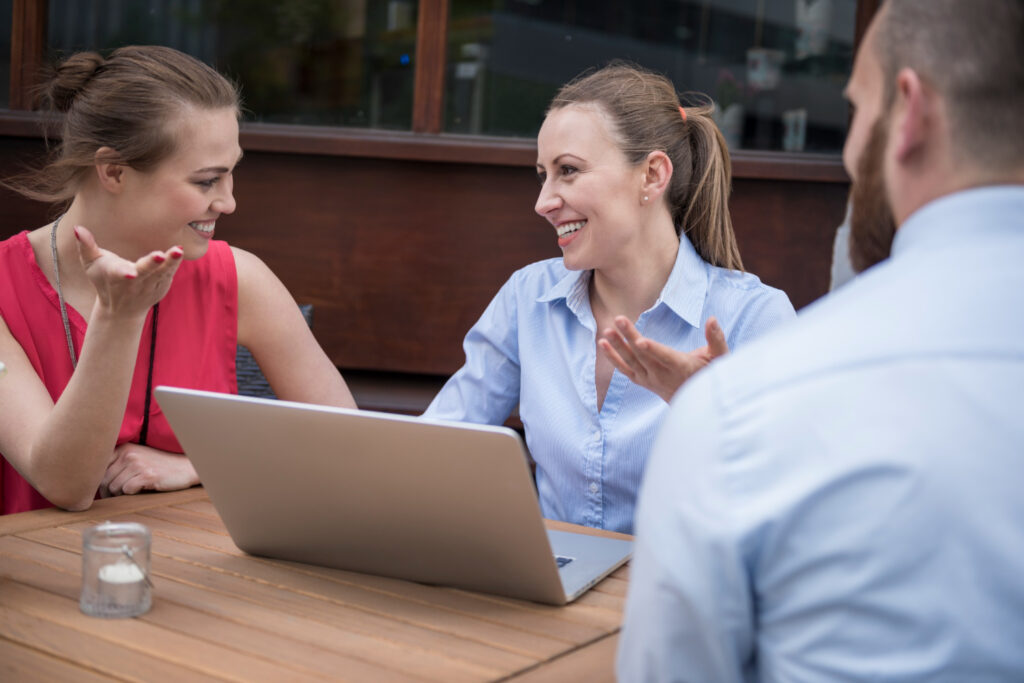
[593,487]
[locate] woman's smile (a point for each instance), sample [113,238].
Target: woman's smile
[203,228]
[567,231]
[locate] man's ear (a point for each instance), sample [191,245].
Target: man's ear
[109,169]
[657,173]
[914,115]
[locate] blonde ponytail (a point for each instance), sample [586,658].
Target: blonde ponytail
[706,219]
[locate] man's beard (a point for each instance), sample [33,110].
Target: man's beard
[872,225]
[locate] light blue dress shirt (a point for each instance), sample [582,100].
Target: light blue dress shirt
[844,501]
[535,346]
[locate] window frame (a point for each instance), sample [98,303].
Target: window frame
[426,141]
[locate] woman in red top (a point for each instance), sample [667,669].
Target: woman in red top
[126,289]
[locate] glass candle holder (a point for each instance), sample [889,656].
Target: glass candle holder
[115,570]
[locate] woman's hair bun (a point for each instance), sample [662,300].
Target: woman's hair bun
[69,78]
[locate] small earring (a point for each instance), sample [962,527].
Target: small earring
[645,198]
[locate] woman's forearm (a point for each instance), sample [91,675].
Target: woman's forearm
[76,442]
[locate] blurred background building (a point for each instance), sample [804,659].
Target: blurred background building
[388,176]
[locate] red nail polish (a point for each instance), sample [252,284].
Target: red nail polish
[177,254]
[130,276]
[77,236]
[159,258]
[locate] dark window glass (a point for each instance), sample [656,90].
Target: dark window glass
[5,53]
[776,68]
[320,62]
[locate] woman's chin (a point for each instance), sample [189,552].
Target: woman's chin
[194,252]
[573,261]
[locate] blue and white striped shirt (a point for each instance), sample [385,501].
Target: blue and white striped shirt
[535,346]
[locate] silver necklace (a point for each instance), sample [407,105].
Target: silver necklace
[60,293]
[144,431]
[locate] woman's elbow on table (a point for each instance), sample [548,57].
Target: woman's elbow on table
[73,496]
[72,501]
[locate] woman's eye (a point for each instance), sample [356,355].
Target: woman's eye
[569,170]
[207,184]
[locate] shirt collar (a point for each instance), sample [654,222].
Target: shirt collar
[684,293]
[687,286]
[572,288]
[971,214]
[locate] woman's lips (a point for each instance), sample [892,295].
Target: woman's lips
[204,228]
[567,231]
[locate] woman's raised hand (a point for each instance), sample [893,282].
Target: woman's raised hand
[655,366]
[126,288]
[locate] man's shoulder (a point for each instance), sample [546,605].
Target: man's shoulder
[933,309]
[843,330]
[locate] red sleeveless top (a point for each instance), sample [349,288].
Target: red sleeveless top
[196,341]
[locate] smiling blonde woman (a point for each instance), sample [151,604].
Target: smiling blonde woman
[635,187]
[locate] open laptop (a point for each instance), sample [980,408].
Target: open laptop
[434,502]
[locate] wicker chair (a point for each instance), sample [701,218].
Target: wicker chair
[251,381]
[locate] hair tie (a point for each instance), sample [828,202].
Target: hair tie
[682,112]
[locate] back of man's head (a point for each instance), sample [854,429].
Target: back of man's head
[972,53]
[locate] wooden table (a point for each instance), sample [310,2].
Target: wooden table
[220,614]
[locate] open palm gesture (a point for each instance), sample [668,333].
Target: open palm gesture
[655,366]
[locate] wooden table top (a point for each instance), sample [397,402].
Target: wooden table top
[219,614]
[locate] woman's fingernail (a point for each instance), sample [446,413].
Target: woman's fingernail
[130,276]
[159,258]
[621,324]
[177,253]
[77,236]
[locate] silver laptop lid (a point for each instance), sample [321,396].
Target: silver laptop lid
[444,503]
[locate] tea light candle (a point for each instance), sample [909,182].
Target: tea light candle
[115,570]
[122,583]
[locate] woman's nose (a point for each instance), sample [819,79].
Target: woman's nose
[547,200]
[225,203]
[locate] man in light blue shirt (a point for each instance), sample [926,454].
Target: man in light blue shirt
[842,500]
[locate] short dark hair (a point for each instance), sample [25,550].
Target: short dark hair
[972,53]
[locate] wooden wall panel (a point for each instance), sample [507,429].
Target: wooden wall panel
[28,43]
[398,258]
[401,257]
[786,230]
